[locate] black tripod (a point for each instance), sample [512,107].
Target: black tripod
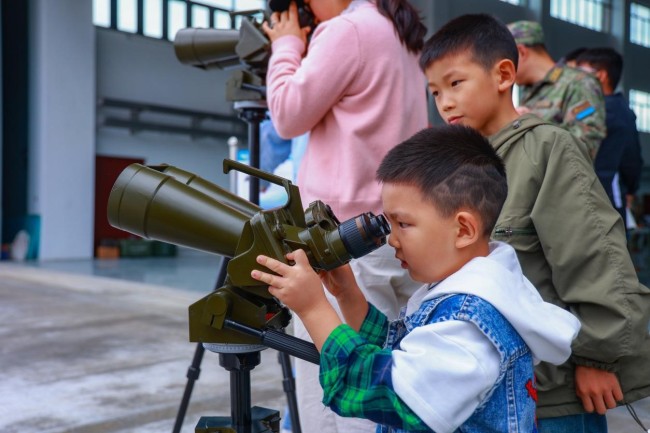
[245,419]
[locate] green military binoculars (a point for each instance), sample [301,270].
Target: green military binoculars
[247,48]
[169,204]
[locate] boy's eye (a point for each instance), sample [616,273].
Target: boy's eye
[434,93]
[402,225]
[455,83]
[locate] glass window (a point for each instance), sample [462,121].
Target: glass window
[200,13]
[153,18]
[640,103]
[640,25]
[224,4]
[222,20]
[200,16]
[514,2]
[127,13]
[593,14]
[248,5]
[177,18]
[102,13]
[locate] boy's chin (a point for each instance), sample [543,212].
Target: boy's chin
[418,278]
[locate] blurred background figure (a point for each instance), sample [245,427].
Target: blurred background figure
[556,92]
[570,58]
[281,157]
[618,162]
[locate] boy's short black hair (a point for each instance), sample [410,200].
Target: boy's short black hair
[484,36]
[605,58]
[454,167]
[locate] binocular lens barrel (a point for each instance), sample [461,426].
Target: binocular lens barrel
[209,189]
[157,206]
[364,233]
[207,47]
[173,205]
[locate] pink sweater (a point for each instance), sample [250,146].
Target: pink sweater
[358,92]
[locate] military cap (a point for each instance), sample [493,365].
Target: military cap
[527,32]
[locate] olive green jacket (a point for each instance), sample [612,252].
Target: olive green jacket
[572,247]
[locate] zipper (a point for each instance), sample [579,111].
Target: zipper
[509,231]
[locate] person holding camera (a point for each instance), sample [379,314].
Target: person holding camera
[353,82]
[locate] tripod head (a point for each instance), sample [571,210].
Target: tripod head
[172,205]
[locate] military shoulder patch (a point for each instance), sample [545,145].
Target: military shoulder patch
[543,104]
[583,110]
[555,74]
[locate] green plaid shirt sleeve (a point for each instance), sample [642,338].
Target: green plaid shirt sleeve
[356,379]
[374,328]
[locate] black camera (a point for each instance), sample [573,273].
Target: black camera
[305,16]
[283,5]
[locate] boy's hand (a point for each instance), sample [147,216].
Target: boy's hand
[300,289]
[598,389]
[342,284]
[297,286]
[339,281]
[285,23]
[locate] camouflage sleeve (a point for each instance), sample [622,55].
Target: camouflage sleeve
[584,114]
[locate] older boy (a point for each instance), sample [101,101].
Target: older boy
[569,239]
[461,355]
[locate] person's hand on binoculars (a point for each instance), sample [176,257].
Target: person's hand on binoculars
[296,286]
[339,281]
[342,284]
[300,289]
[285,23]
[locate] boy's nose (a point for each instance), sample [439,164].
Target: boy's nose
[447,104]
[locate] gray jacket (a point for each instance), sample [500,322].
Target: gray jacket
[572,247]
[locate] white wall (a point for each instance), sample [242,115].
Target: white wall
[73,64]
[62,151]
[146,70]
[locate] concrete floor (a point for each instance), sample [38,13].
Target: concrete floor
[94,354]
[101,346]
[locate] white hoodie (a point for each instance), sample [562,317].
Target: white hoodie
[443,370]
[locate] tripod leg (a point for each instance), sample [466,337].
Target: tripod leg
[192,375]
[289,386]
[195,368]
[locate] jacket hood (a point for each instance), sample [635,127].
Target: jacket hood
[547,329]
[509,134]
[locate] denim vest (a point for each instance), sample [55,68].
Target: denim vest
[509,406]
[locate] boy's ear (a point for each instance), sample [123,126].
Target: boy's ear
[468,229]
[522,50]
[506,72]
[602,76]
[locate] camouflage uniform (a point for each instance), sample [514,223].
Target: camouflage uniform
[568,97]
[572,99]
